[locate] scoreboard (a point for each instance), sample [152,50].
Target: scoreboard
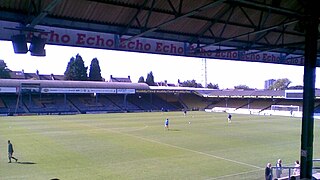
[294,94]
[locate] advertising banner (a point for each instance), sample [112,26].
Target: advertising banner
[81,38]
[8,90]
[78,90]
[126,91]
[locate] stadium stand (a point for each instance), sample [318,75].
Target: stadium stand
[291,102]
[89,104]
[49,104]
[2,105]
[161,104]
[175,99]
[142,101]
[13,105]
[194,102]
[261,104]
[52,96]
[122,103]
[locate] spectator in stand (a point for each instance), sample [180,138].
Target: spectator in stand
[296,170]
[279,168]
[268,172]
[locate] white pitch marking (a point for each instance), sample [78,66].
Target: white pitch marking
[186,149]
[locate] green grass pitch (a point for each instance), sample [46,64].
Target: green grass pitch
[136,146]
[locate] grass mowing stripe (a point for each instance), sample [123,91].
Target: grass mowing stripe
[135,146]
[177,147]
[234,175]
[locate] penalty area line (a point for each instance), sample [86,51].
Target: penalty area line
[197,152]
[178,147]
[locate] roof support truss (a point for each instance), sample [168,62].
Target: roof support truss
[43,13]
[195,11]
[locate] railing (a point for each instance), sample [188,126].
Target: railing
[287,171]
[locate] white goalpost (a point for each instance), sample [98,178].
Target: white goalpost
[289,108]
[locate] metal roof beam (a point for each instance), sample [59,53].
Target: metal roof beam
[244,3]
[267,8]
[149,14]
[209,24]
[253,32]
[195,11]
[134,17]
[115,3]
[44,13]
[247,16]
[228,20]
[180,6]
[172,7]
[263,36]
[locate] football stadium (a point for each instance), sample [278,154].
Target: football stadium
[115,130]
[56,127]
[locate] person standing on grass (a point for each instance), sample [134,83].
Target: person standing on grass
[229,118]
[185,112]
[10,152]
[166,124]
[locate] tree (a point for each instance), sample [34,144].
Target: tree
[191,83]
[76,70]
[141,80]
[296,87]
[280,84]
[150,79]
[244,87]
[95,71]
[213,86]
[68,73]
[4,71]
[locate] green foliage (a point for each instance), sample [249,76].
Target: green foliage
[280,84]
[213,86]
[95,71]
[141,80]
[150,79]
[244,87]
[76,70]
[4,71]
[296,87]
[191,83]
[68,74]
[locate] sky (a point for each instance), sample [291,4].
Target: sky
[225,73]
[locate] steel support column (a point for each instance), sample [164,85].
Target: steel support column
[309,78]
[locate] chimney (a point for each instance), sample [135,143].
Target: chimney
[52,76]
[23,75]
[37,74]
